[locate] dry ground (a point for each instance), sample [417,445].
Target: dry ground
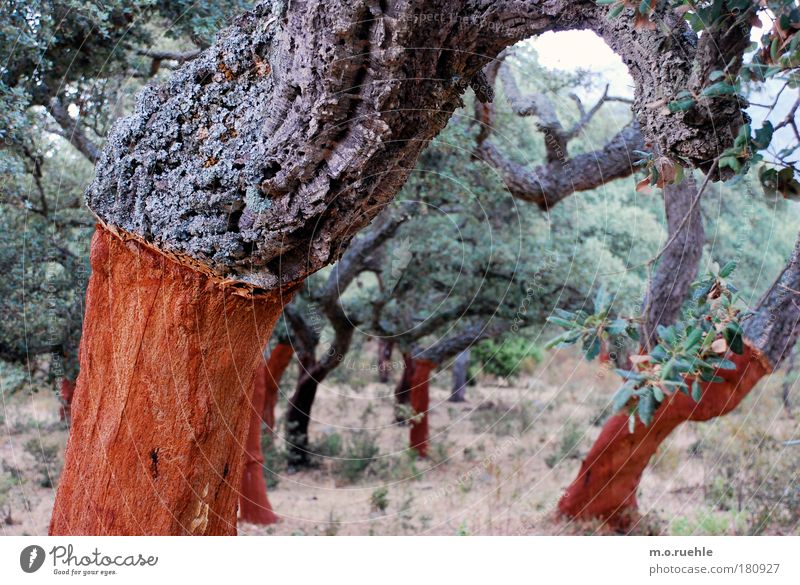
[498,462]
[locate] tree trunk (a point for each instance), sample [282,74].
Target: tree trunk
[270,374]
[167,361]
[298,414]
[460,374]
[402,391]
[384,360]
[254,506]
[788,382]
[65,394]
[420,403]
[609,476]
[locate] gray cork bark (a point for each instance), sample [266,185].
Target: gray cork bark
[261,158]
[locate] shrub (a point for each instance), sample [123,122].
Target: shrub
[505,359]
[360,453]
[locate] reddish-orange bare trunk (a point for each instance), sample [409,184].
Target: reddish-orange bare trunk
[65,394]
[270,375]
[167,361]
[254,506]
[420,402]
[609,476]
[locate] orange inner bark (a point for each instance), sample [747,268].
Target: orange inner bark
[160,413]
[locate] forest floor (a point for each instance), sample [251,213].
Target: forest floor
[497,463]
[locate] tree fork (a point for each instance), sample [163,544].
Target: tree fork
[168,357]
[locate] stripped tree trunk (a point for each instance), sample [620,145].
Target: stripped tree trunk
[160,411]
[279,359]
[254,506]
[298,413]
[609,476]
[420,403]
[460,374]
[65,395]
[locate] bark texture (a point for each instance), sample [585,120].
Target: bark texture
[160,410]
[254,506]
[420,403]
[261,158]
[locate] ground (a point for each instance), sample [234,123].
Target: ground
[497,464]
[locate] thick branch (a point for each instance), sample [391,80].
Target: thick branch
[679,262]
[72,130]
[548,184]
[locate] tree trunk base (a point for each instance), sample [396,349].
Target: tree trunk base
[167,360]
[609,476]
[420,403]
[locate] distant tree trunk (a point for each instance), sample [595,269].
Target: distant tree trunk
[384,360]
[298,414]
[65,394]
[460,374]
[271,374]
[788,382]
[168,357]
[420,403]
[254,506]
[402,391]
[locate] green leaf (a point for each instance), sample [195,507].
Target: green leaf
[629,375]
[680,105]
[591,347]
[763,136]
[616,10]
[658,394]
[646,408]
[692,339]
[717,89]
[733,335]
[616,326]
[621,397]
[697,391]
[561,322]
[728,269]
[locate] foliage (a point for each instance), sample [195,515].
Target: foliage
[360,452]
[688,352]
[505,358]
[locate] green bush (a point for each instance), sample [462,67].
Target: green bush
[505,358]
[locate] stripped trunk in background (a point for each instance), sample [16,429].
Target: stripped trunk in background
[254,506]
[65,394]
[420,403]
[167,359]
[271,374]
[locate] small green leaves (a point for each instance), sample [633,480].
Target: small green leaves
[733,334]
[728,269]
[681,105]
[718,89]
[697,391]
